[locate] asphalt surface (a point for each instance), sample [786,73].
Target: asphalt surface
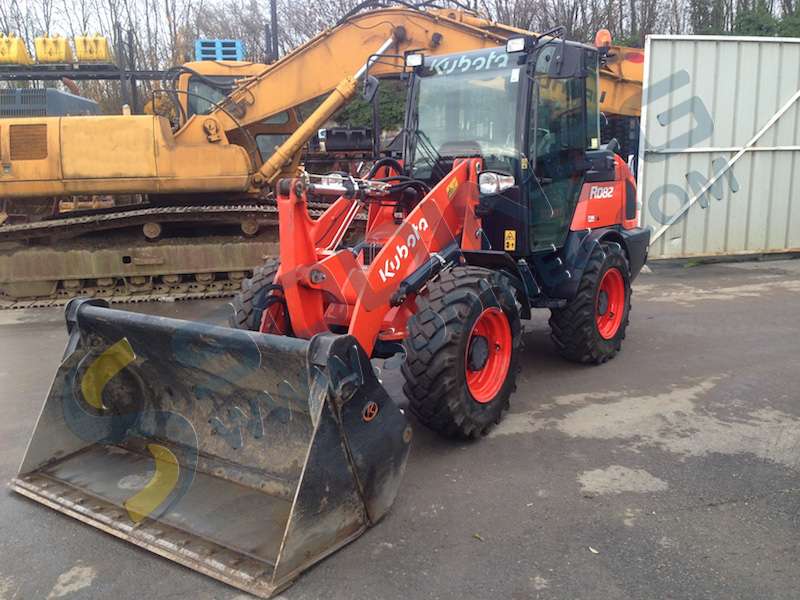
[671,472]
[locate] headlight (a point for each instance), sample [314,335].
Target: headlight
[515,45]
[494,183]
[414,60]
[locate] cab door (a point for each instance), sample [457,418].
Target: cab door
[558,137]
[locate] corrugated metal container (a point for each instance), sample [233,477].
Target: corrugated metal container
[720,154]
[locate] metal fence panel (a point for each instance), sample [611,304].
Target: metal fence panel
[720,149]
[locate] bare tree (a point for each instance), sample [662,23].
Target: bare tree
[163,31]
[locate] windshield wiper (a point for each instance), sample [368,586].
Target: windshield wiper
[552,35]
[433,156]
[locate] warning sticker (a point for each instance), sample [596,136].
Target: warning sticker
[510,240]
[451,188]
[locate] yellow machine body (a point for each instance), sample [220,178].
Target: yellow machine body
[621,82]
[54,156]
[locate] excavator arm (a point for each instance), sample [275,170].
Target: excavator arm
[620,74]
[317,67]
[78,157]
[314,69]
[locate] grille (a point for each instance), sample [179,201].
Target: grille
[28,142]
[33,97]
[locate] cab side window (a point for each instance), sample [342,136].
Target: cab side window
[557,147]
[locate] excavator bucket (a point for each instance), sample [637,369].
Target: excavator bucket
[245,456]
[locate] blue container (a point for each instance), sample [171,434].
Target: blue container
[218,50]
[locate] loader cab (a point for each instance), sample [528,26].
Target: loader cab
[531,114]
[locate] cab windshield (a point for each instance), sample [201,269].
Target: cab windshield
[205,93]
[465,105]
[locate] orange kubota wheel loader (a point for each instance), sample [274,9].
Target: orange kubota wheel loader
[251,452]
[503,203]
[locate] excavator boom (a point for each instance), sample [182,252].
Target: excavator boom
[316,67]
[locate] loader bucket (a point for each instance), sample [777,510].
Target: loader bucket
[245,456]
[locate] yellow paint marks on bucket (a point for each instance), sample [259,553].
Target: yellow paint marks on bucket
[103,369]
[164,480]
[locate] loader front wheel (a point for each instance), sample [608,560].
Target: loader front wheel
[462,352]
[590,329]
[249,304]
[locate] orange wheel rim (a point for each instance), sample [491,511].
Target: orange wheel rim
[488,354]
[610,303]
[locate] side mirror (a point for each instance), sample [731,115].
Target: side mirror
[567,62]
[370,88]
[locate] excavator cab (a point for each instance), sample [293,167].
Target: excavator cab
[201,85]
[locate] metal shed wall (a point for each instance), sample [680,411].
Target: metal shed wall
[720,154]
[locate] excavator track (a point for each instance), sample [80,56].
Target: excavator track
[102,255]
[121,298]
[126,268]
[128,216]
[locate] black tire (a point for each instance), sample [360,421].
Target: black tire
[436,351]
[249,304]
[574,327]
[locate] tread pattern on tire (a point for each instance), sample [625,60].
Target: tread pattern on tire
[433,369]
[245,303]
[573,328]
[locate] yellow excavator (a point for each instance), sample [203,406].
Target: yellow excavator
[217,166]
[216,149]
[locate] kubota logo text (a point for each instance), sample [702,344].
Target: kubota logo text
[469,62]
[601,192]
[402,251]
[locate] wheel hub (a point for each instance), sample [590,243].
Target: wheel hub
[478,353]
[488,355]
[602,303]
[610,304]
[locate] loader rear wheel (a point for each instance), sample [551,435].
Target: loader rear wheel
[249,304]
[590,329]
[462,352]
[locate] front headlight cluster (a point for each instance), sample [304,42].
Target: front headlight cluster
[494,183]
